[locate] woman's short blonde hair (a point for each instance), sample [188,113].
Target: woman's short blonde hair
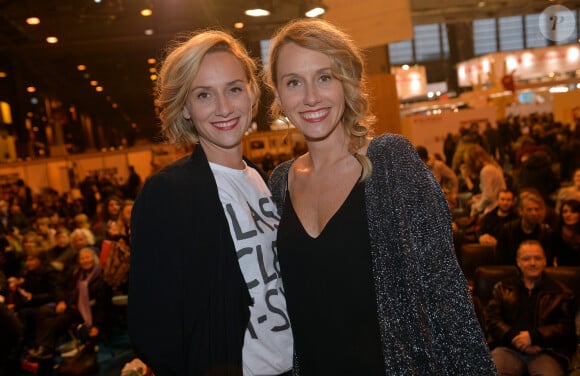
[347,65]
[179,69]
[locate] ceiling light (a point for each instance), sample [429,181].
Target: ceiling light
[315,12]
[148,32]
[151,61]
[81,67]
[3,74]
[239,25]
[258,8]
[99,89]
[94,83]
[146,12]
[52,39]
[33,20]
[31,89]
[314,8]
[257,12]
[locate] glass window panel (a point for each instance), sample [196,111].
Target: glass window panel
[511,36]
[427,42]
[484,36]
[401,52]
[534,37]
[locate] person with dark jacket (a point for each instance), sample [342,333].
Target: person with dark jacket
[491,224]
[205,294]
[530,320]
[84,301]
[529,226]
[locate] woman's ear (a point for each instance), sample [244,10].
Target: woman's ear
[185,113]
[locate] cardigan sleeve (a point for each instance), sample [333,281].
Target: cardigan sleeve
[420,286]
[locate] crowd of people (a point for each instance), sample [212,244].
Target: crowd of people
[519,192]
[62,259]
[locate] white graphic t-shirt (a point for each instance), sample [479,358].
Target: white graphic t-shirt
[253,220]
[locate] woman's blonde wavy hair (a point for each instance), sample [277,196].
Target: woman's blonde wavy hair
[179,69]
[347,66]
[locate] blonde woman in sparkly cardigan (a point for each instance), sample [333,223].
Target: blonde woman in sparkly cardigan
[364,242]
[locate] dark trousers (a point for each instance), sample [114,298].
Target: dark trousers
[51,325]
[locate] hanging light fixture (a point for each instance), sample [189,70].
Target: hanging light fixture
[314,8]
[258,8]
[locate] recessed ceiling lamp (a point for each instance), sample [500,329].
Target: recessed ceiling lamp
[33,20]
[147,9]
[239,25]
[52,39]
[258,8]
[148,32]
[81,67]
[314,9]
[481,4]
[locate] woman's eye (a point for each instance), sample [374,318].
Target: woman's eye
[202,95]
[292,83]
[325,77]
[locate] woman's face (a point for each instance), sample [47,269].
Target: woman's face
[569,217]
[126,213]
[79,240]
[220,104]
[86,260]
[113,208]
[308,92]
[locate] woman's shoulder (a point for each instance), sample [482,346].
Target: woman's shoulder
[391,143]
[392,147]
[279,176]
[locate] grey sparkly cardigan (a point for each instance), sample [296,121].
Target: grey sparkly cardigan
[425,313]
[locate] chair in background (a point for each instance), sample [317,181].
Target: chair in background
[473,255]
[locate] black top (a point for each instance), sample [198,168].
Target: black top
[329,292]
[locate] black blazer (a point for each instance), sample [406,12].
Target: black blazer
[188,300]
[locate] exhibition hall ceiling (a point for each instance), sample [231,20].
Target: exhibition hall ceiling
[114,41]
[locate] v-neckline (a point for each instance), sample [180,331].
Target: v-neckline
[330,219]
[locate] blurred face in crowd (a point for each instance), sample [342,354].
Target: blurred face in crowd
[3,207]
[531,260]
[569,217]
[113,208]
[576,179]
[32,262]
[505,201]
[62,239]
[86,259]
[126,213]
[531,212]
[79,241]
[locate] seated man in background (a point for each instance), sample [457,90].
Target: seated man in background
[530,226]
[530,319]
[492,222]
